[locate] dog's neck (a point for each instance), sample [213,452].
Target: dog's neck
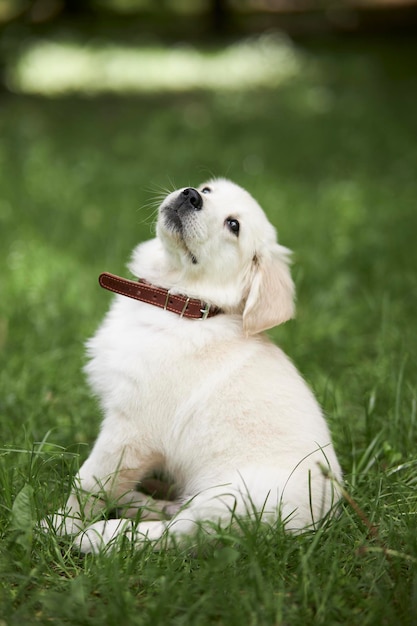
[182,305]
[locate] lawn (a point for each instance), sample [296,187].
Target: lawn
[330,151]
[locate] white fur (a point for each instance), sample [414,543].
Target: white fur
[213,404]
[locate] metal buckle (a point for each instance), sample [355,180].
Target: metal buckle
[184,307]
[204,312]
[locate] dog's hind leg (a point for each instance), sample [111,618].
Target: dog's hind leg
[132,503]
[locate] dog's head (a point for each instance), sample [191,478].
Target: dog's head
[221,248]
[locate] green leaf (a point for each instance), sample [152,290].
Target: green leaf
[23,516]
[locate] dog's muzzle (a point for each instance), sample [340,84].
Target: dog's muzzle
[185,202]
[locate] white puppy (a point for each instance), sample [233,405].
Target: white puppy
[210,405]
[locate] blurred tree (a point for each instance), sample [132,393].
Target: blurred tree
[76,7]
[220,15]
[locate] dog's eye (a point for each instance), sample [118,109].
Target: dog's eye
[206,190]
[233,225]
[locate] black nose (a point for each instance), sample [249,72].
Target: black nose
[192,197]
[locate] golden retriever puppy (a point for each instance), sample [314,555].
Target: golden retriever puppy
[200,408]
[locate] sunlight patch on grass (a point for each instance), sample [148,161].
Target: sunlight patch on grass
[52,68]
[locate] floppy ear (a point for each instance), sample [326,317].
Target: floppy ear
[270,299]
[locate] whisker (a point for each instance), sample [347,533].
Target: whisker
[154,188]
[206,171]
[149,218]
[173,186]
[159,193]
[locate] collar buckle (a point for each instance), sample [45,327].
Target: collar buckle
[205,311]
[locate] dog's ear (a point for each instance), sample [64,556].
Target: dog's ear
[270,300]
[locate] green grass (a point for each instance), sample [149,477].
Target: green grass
[331,155]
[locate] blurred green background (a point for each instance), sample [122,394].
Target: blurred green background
[105,106]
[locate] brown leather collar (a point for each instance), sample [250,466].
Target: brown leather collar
[158,296]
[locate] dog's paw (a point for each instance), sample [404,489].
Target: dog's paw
[172,509]
[104,535]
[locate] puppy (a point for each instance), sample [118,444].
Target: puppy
[200,408]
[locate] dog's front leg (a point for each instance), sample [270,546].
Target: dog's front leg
[87,500]
[103,481]
[82,505]
[212,508]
